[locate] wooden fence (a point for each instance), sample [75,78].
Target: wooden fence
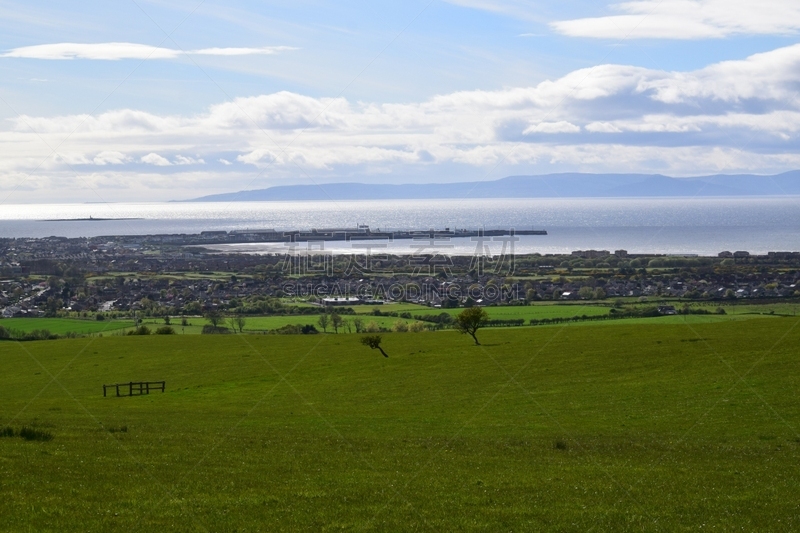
[135,388]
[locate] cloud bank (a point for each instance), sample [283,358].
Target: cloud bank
[732,116]
[118,51]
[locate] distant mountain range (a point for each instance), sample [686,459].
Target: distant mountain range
[548,186]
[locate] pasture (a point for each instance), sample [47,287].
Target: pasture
[621,427]
[61,326]
[735,310]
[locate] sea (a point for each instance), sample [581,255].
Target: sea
[677,226]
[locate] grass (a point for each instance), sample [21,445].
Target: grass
[539,310]
[630,427]
[60,326]
[263,323]
[35,434]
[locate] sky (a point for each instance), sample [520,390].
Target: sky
[148,100]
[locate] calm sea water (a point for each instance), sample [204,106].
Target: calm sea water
[640,225]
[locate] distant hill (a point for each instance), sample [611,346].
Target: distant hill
[548,186]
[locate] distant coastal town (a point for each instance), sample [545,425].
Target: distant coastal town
[176,274]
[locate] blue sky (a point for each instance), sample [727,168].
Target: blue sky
[151,100]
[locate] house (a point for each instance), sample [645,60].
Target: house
[11,311]
[342,301]
[667,310]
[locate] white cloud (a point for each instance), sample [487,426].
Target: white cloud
[602,127]
[733,116]
[561,126]
[184,160]
[118,51]
[688,19]
[155,159]
[110,158]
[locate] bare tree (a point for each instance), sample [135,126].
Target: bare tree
[323,322]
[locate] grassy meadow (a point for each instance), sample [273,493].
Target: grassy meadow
[540,310]
[60,326]
[614,427]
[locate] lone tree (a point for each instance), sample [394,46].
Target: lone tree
[471,320]
[215,318]
[374,342]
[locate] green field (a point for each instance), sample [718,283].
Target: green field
[257,324]
[539,310]
[263,323]
[620,427]
[61,326]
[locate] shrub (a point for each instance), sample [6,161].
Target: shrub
[100,317]
[141,330]
[416,327]
[7,432]
[296,329]
[165,330]
[38,335]
[400,327]
[208,329]
[35,434]
[372,327]
[4,333]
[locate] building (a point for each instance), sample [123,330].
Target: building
[590,254]
[338,302]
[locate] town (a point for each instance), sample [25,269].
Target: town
[154,276]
